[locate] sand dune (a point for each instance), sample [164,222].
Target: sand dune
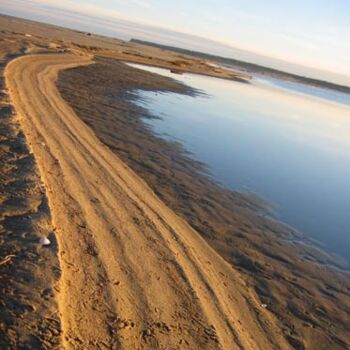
[134,274]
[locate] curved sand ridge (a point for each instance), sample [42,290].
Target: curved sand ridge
[134,274]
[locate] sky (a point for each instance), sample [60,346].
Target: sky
[281,34]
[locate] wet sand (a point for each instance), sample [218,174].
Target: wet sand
[290,278]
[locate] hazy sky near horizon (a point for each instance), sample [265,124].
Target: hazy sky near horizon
[313,33]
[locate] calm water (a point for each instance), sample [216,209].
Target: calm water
[284,144]
[321,93]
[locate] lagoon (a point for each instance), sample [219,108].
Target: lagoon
[284,142]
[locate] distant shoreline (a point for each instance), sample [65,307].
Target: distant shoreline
[249,67]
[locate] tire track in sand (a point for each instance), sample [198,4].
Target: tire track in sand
[134,274]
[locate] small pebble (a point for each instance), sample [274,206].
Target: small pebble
[44,241]
[121,325]
[147,333]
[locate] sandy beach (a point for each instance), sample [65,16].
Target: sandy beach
[113,231]
[147,252]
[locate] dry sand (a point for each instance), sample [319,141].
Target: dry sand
[28,272]
[134,274]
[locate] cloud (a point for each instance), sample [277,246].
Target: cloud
[69,5]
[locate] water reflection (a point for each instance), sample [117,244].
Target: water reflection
[290,148]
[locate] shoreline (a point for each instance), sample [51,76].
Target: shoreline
[282,293]
[248,67]
[262,206]
[116,221]
[255,257]
[333,257]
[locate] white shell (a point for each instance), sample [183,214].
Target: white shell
[44,241]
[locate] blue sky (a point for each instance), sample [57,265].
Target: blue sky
[312,33]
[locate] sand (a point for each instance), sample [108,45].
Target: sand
[309,298]
[129,270]
[134,274]
[28,272]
